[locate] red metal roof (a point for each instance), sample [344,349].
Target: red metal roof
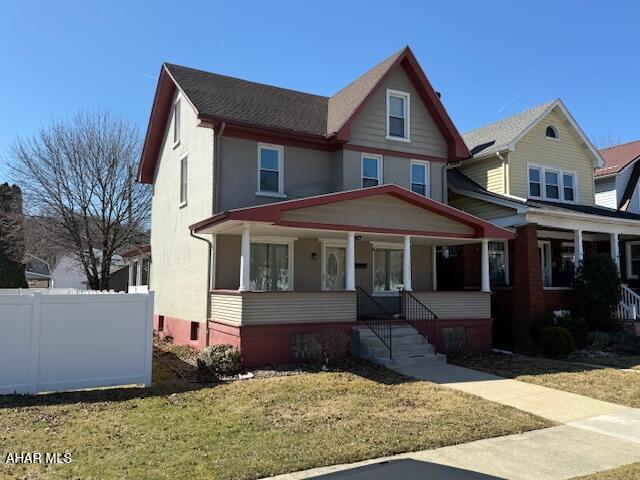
[618,157]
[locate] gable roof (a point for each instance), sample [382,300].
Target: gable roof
[272,212]
[459,182]
[618,157]
[252,108]
[505,133]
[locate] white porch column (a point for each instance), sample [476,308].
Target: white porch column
[486,284]
[577,246]
[434,268]
[139,279]
[615,249]
[351,261]
[406,263]
[245,259]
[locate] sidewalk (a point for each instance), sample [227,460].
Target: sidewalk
[596,436]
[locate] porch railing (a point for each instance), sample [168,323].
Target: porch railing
[376,317]
[418,315]
[629,305]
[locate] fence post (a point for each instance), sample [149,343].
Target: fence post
[34,362]
[148,341]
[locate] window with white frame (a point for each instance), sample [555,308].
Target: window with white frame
[420,177]
[271,265]
[552,184]
[371,170]
[398,110]
[498,263]
[184,180]
[387,269]
[633,259]
[270,162]
[552,132]
[176,123]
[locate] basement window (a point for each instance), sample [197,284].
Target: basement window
[161,323]
[195,328]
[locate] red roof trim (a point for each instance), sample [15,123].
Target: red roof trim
[457,148]
[273,212]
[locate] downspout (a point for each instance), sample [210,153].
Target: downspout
[217,168]
[209,269]
[504,173]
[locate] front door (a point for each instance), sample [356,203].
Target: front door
[333,267]
[544,249]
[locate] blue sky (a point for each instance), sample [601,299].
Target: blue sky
[490,59]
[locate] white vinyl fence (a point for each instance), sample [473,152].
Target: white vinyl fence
[63,339]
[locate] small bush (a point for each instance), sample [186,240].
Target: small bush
[543,320]
[334,345]
[600,341]
[556,341]
[577,326]
[625,342]
[219,360]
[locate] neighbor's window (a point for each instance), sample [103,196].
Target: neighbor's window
[633,259]
[134,273]
[270,266]
[569,187]
[270,169]
[497,263]
[552,191]
[420,177]
[176,123]
[387,270]
[535,182]
[371,170]
[183,181]
[551,132]
[146,264]
[397,115]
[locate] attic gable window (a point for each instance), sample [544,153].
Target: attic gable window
[176,123]
[552,133]
[398,110]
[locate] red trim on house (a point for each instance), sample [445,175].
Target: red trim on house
[137,251]
[457,149]
[272,213]
[394,153]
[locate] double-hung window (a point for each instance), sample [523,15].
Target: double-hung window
[552,184]
[176,123]
[271,266]
[398,110]
[387,269]
[184,181]
[498,263]
[270,166]
[420,177]
[371,170]
[633,259]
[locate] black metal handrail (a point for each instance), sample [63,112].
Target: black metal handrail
[377,318]
[418,315]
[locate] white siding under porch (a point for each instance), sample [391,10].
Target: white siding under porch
[457,305]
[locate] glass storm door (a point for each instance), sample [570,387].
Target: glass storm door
[544,249]
[334,268]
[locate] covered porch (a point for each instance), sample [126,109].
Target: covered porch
[292,268]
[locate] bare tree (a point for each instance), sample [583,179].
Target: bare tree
[606,140]
[79,175]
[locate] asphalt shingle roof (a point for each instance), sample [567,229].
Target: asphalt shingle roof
[497,136]
[618,157]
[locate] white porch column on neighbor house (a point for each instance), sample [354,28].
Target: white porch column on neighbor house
[615,249]
[577,246]
[245,259]
[351,261]
[406,263]
[139,279]
[486,284]
[434,268]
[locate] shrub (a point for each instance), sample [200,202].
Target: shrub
[219,360]
[543,320]
[600,340]
[625,342]
[577,326]
[597,291]
[334,345]
[556,341]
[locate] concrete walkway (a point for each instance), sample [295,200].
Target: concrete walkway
[595,436]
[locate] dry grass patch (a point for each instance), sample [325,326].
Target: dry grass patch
[607,384]
[628,472]
[246,429]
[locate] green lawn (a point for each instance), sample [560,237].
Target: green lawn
[608,384]
[245,429]
[628,472]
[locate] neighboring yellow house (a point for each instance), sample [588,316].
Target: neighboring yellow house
[534,172]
